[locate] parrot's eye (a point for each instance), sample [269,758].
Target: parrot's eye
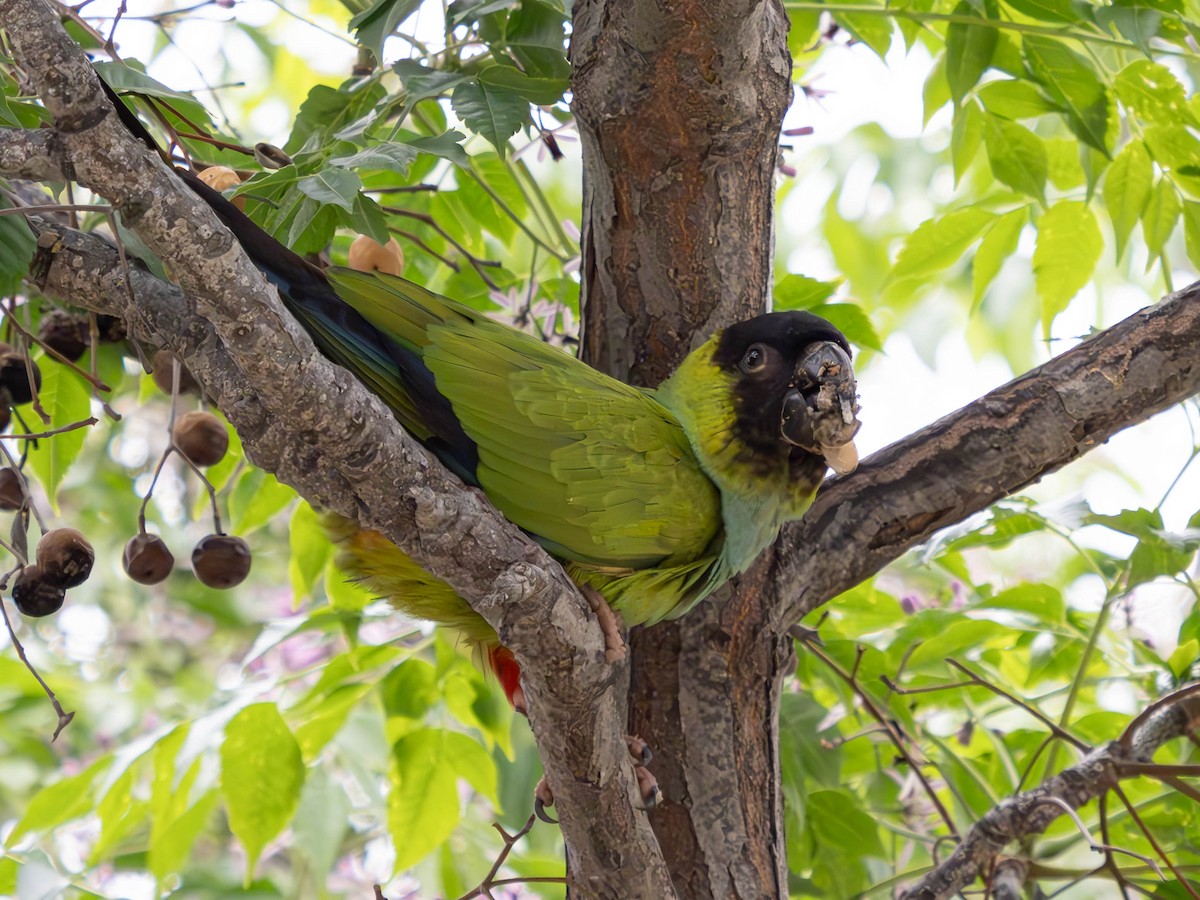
[755,359]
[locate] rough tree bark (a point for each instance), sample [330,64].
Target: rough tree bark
[677,241]
[679,109]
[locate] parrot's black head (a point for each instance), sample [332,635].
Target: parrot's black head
[794,389]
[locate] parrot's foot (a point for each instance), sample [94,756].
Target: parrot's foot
[647,784]
[543,797]
[652,794]
[639,751]
[610,624]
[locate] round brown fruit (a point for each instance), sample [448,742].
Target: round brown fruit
[201,437]
[35,595]
[14,375]
[222,178]
[147,559]
[12,492]
[64,333]
[65,557]
[162,374]
[368,256]
[221,561]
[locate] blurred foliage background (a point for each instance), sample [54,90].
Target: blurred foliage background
[967,188]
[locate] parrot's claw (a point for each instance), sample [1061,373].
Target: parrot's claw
[543,797]
[639,750]
[652,794]
[610,624]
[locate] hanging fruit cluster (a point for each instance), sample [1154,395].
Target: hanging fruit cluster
[219,560]
[63,557]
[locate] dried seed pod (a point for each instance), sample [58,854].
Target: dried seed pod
[64,333]
[35,595]
[221,561]
[161,373]
[12,493]
[368,256]
[221,178]
[147,559]
[201,437]
[65,557]
[14,375]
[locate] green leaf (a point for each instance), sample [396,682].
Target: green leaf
[121,77]
[1153,92]
[421,82]
[939,243]
[1016,155]
[935,93]
[321,820]
[852,321]
[841,834]
[802,292]
[969,51]
[1066,169]
[66,799]
[447,145]
[310,549]
[1127,190]
[1068,247]
[1042,601]
[1071,81]
[1191,230]
[1135,22]
[261,777]
[997,245]
[1175,149]
[539,91]
[537,38]
[965,138]
[410,689]
[873,30]
[17,244]
[1184,657]
[168,854]
[389,156]
[373,26]
[1046,10]
[333,186]
[256,499]
[8,876]
[1012,99]
[66,399]
[423,805]
[1160,217]
[495,113]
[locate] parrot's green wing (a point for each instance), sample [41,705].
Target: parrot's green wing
[599,472]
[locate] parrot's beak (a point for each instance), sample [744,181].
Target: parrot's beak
[820,409]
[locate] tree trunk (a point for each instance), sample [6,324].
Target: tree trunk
[679,109]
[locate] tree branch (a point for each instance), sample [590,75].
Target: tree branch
[35,155]
[318,429]
[993,447]
[1031,812]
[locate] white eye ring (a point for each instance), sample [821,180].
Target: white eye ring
[755,359]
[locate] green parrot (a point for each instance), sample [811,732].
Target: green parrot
[652,499]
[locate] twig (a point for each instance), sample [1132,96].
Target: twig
[891,727]
[38,435]
[64,717]
[490,881]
